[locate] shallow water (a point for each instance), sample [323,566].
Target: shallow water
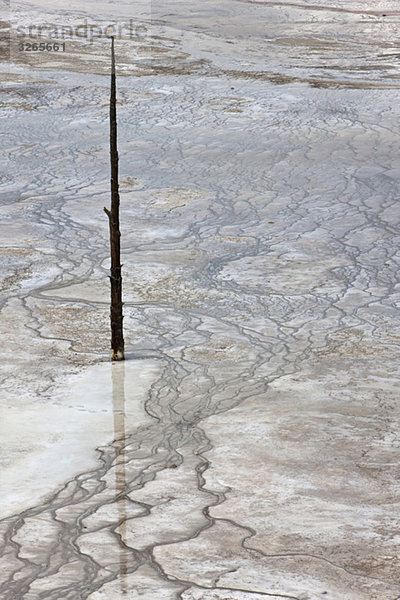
[248,447]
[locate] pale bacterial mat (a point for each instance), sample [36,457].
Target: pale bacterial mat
[248,448]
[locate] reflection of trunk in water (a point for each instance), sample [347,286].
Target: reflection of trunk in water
[118,396]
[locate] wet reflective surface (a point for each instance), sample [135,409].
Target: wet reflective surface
[248,448]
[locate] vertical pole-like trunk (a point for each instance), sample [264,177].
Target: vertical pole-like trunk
[117,336]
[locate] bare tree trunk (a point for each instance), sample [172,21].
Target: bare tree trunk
[117,336]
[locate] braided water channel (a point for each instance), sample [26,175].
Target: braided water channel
[260,250]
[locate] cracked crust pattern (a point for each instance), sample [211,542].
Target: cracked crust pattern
[252,443]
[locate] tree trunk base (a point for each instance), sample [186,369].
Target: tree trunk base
[117,355]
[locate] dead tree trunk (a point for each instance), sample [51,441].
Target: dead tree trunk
[117,335]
